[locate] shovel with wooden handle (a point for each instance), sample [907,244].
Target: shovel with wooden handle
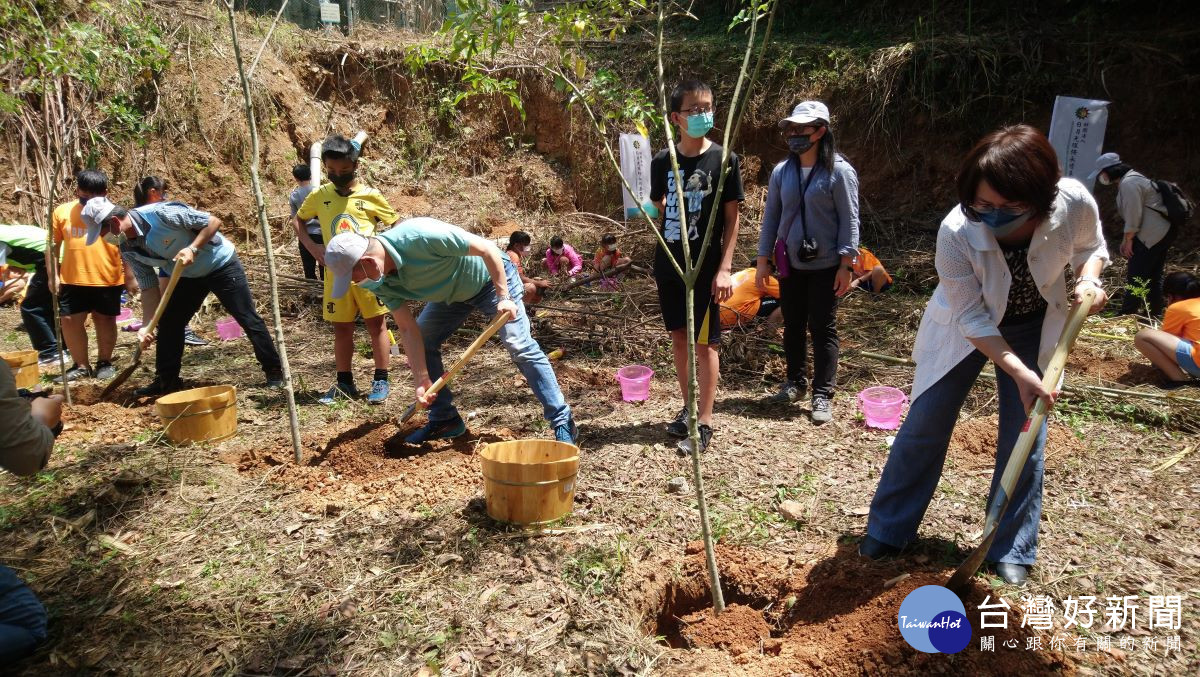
[1024,444]
[137,354]
[445,379]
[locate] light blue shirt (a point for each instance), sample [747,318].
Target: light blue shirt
[831,212]
[166,228]
[433,263]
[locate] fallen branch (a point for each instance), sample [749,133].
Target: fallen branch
[596,276]
[1067,388]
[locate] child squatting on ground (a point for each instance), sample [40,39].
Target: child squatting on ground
[1175,348]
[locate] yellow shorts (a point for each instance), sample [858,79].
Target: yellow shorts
[356,301]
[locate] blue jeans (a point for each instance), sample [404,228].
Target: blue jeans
[914,466]
[37,312]
[22,618]
[439,320]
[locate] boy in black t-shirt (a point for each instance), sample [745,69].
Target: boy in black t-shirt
[692,110]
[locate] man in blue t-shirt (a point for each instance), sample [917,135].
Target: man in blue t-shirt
[169,234]
[456,272]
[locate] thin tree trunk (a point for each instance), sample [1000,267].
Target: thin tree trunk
[261,208]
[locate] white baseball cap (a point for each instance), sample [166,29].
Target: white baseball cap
[806,113]
[342,252]
[95,213]
[1102,163]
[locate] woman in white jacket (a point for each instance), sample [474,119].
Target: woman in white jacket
[1003,296]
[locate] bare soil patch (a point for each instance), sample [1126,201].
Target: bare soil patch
[835,616]
[973,444]
[370,463]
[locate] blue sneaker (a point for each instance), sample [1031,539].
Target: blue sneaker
[438,430]
[567,432]
[339,391]
[379,392]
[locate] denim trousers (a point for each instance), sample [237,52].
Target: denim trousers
[22,618]
[37,312]
[439,320]
[914,466]
[228,283]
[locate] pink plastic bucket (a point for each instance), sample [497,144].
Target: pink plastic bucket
[635,382]
[881,406]
[125,316]
[228,329]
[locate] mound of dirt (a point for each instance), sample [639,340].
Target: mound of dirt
[738,629]
[1106,369]
[371,463]
[973,445]
[837,616]
[118,419]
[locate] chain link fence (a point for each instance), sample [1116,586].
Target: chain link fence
[417,15]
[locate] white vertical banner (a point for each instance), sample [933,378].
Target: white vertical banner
[635,167]
[1077,134]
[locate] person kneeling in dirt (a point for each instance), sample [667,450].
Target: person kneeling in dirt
[607,257]
[1175,349]
[518,249]
[749,302]
[167,234]
[869,274]
[31,424]
[424,259]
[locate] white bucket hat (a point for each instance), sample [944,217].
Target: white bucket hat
[1102,163]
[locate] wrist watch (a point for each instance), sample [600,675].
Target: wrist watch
[194,248]
[1093,279]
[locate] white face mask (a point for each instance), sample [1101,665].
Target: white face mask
[611,247]
[1104,180]
[556,251]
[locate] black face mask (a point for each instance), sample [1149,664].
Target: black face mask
[342,180]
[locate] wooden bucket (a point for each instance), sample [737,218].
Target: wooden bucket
[529,481]
[24,365]
[206,414]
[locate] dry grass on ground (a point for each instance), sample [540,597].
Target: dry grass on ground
[375,559]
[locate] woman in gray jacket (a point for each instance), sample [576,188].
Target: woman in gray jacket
[810,234]
[1147,232]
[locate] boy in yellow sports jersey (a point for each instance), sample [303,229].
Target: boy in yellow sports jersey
[346,205]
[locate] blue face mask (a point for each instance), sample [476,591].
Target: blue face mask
[371,285]
[1002,224]
[699,124]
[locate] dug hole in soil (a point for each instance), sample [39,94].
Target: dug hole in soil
[837,615]
[370,463]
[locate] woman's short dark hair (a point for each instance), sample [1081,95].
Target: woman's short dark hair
[1181,284]
[302,173]
[518,238]
[141,189]
[1018,162]
[556,241]
[608,238]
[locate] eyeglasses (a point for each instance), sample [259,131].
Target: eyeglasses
[805,130]
[697,110]
[1009,210]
